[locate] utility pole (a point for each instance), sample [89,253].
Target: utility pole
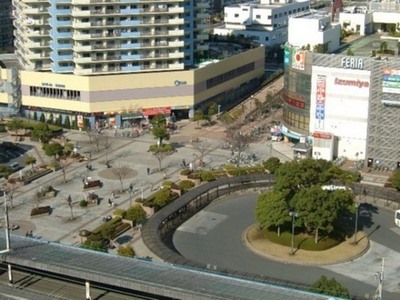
[380,275]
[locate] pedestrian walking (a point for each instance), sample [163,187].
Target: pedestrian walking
[148,171]
[165,176]
[190,166]
[109,202]
[131,187]
[112,196]
[184,163]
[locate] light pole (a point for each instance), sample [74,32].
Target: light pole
[293,215]
[219,109]
[6,225]
[356,224]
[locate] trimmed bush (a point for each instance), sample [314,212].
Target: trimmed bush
[186,185]
[41,210]
[207,176]
[136,213]
[185,172]
[83,203]
[163,148]
[120,213]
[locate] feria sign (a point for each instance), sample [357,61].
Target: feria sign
[352,63]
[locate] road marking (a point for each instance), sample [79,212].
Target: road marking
[365,268]
[203,222]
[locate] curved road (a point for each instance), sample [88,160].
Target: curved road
[214,237]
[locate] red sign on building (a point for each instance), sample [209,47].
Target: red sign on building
[156,110]
[295,102]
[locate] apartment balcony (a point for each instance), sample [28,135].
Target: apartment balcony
[62,46]
[36,1]
[177,21]
[81,37]
[35,11]
[58,35]
[62,23]
[176,10]
[130,57]
[80,13]
[41,44]
[202,5]
[201,37]
[64,69]
[62,1]
[59,12]
[32,55]
[203,47]
[130,34]
[81,25]
[37,33]
[106,46]
[176,32]
[64,57]
[202,16]
[177,66]
[176,55]
[130,23]
[176,44]
[130,69]
[129,11]
[80,48]
[130,46]
[82,60]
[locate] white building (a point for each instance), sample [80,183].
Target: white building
[313,28]
[86,37]
[265,22]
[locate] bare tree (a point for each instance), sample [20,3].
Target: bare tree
[240,141]
[202,148]
[95,137]
[63,165]
[160,157]
[106,144]
[121,172]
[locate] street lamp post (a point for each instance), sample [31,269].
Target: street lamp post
[293,215]
[356,224]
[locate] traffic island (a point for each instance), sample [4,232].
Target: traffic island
[346,251]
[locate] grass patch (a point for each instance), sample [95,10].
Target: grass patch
[226,118]
[302,241]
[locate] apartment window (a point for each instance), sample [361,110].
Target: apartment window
[290,12]
[280,15]
[266,39]
[275,25]
[236,15]
[258,16]
[269,17]
[275,16]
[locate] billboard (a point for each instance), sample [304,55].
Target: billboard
[391,81]
[320,102]
[298,59]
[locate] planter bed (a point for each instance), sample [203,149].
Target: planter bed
[40,211]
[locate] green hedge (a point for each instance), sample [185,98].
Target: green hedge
[186,185]
[163,148]
[120,213]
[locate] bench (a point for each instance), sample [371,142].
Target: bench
[92,184]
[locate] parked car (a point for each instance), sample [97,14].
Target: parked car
[15,166]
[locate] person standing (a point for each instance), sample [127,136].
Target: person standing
[148,171]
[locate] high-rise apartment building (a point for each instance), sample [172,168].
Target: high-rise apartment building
[6,26]
[94,37]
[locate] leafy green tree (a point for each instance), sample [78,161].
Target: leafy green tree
[50,119]
[53,149]
[160,130]
[272,164]
[5,171]
[126,251]
[35,116]
[396,180]
[349,52]
[94,245]
[272,210]
[59,120]
[198,116]
[42,132]
[330,287]
[136,213]
[30,160]
[67,122]
[15,125]
[42,118]
[315,210]
[108,232]
[211,111]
